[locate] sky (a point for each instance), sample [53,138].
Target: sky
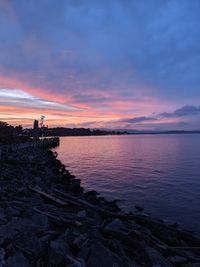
[117,64]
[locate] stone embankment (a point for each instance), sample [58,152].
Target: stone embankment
[48,220]
[41,143]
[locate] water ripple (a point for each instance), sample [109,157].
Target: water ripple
[160,173]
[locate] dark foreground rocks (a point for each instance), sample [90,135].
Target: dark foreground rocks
[46,219]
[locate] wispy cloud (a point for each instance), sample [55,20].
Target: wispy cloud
[182,112]
[139,119]
[159,121]
[15,97]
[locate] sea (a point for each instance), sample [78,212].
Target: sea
[160,173]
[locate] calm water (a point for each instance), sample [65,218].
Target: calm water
[158,172]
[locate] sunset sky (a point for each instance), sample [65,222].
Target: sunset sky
[126,64]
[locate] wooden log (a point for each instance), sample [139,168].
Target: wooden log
[78,202]
[148,222]
[48,196]
[53,217]
[86,205]
[24,250]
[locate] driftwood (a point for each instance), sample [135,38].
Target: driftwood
[48,196]
[83,203]
[158,243]
[24,250]
[53,217]
[78,202]
[86,205]
[138,218]
[69,221]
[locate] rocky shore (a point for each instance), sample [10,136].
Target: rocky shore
[48,220]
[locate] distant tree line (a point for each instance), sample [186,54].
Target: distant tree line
[10,134]
[61,131]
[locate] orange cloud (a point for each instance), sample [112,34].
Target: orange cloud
[90,106]
[12,83]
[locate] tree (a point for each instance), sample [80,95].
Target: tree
[7,132]
[19,130]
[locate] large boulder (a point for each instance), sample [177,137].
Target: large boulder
[18,260]
[58,252]
[100,256]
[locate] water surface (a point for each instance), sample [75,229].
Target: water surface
[158,172]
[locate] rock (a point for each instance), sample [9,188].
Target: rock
[1,241]
[76,188]
[80,241]
[70,235]
[177,259]
[84,253]
[132,263]
[197,264]
[44,242]
[91,196]
[41,221]
[58,252]
[116,224]
[60,246]
[156,259]
[2,257]
[139,208]
[100,256]
[82,214]
[94,233]
[168,237]
[175,225]
[9,230]
[29,241]
[111,205]
[36,223]
[76,262]
[2,216]
[18,260]
[12,212]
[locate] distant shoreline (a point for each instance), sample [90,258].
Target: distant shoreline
[62,132]
[140,133]
[167,132]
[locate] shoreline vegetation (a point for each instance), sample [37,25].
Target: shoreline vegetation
[61,131]
[48,219]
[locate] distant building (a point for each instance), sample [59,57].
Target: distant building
[36,130]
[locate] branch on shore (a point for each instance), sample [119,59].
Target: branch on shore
[55,218]
[48,196]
